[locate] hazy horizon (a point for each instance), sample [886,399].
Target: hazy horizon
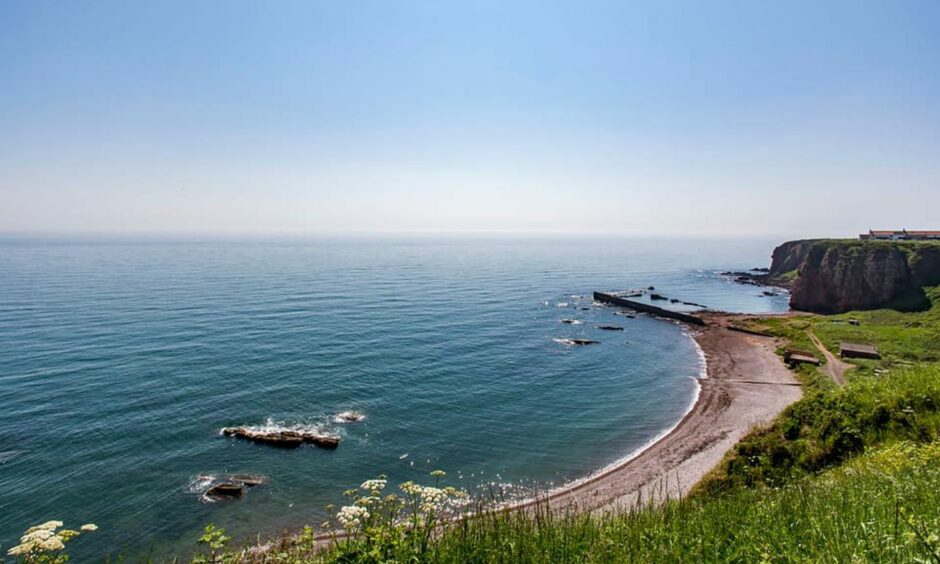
[599,118]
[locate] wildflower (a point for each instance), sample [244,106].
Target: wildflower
[438,474]
[36,535]
[20,550]
[351,516]
[52,543]
[369,500]
[47,526]
[89,527]
[410,488]
[67,534]
[432,495]
[374,486]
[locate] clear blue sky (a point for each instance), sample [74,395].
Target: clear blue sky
[796,118]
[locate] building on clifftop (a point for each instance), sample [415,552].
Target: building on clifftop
[902,235]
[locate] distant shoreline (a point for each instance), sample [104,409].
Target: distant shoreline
[745,385]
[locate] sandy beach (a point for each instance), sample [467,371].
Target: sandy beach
[747,385]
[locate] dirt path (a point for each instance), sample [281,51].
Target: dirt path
[835,368]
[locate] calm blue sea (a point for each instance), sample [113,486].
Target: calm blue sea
[120,360]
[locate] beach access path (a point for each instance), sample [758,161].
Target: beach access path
[834,366]
[747,385]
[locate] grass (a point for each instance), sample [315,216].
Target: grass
[858,513]
[880,507]
[897,397]
[829,427]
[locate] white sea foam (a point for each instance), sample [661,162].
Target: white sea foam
[349,417]
[272,426]
[200,483]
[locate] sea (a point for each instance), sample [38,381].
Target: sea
[121,358]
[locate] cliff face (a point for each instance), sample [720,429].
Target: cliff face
[789,256]
[838,276]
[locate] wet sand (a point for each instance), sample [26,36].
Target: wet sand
[747,386]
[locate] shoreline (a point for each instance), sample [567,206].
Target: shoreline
[620,463]
[744,384]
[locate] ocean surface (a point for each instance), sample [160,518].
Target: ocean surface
[120,360]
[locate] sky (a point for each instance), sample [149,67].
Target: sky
[718,118]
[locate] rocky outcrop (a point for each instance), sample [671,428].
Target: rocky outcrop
[288,438]
[835,276]
[219,488]
[789,256]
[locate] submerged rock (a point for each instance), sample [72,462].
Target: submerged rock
[288,438]
[249,480]
[609,327]
[229,487]
[575,341]
[571,321]
[349,417]
[225,490]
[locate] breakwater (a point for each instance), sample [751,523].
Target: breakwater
[647,308]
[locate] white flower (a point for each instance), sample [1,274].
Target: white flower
[20,550]
[47,526]
[89,527]
[411,488]
[374,486]
[432,495]
[52,543]
[368,500]
[351,516]
[36,535]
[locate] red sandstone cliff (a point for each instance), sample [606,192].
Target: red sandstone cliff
[835,276]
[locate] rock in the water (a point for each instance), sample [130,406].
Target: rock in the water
[249,480]
[609,327]
[658,297]
[288,438]
[571,321]
[575,341]
[349,417]
[225,490]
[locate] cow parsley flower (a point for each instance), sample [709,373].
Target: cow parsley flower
[351,517]
[374,487]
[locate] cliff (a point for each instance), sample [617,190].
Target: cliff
[834,276]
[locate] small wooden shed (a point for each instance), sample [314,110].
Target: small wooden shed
[795,356]
[858,350]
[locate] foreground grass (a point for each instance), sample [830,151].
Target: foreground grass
[881,507]
[861,512]
[828,427]
[895,398]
